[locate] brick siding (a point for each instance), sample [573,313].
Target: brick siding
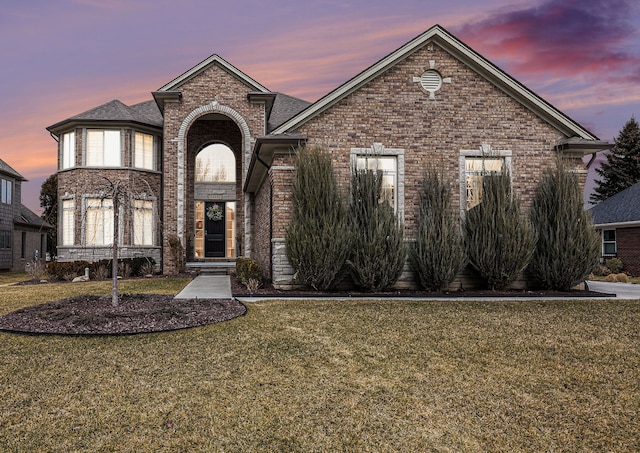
[628,248]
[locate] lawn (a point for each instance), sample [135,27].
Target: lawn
[333,376]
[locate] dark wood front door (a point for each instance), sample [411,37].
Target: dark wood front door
[214,229]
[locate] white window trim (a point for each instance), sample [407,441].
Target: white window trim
[6,191]
[614,242]
[85,148]
[154,163]
[87,197]
[68,150]
[153,201]
[63,230]
[484,150]
[378,150]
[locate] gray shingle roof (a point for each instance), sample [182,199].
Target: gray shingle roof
[622,207]
[144,113]
[284,108]
[6,169]
[28,217]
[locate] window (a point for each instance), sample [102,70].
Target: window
[475,169]
[142,222]
[474,165]
[99,221]
[103,148]
[609,242]
[143,151]
[389,161]
[5,239]
[387,165]
[216,163]
[68,150]
[68,222]
[23,245]
[6,191]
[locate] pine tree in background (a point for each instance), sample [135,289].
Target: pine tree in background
[568,246]
[378,251]
[498,239]
[622,167]
[317,240]
[49,203]
[438,254]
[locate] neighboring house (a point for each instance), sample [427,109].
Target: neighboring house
[617,219]
[213,158]
[23,235]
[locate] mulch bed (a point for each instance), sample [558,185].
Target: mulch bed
[135,313]
[267,290]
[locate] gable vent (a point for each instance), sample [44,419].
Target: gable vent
[431,81]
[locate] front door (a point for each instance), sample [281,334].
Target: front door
[214,229]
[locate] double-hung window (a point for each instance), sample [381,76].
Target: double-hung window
[68,222]
[6,191]
[142,222]
[608,242]
[474,165]
[390,163]
[68,150]
[103,148]
[5,239]
[99,221]
[143,154]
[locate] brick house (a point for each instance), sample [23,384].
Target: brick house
[617,219]
[23,235]
[216,150]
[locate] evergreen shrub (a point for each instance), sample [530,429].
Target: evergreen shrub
[378,254]
[568,246]
[614,265]
[438,253]
[317,239]
[498,239]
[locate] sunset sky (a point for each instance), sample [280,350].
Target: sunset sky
[62,57]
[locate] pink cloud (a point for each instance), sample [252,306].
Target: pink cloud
[561,38]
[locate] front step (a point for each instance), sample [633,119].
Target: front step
[211,267]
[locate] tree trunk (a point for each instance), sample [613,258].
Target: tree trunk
[114,257]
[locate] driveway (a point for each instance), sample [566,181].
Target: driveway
[621,290]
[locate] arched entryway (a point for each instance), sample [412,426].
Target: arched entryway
[214,197]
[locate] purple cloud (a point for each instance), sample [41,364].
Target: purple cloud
[562,38]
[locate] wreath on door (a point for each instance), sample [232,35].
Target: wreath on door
[214,212]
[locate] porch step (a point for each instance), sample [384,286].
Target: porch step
[211,267]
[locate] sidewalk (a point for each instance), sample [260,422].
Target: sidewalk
[207,287]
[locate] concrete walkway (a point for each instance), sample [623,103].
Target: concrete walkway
[219,287]
[207,287]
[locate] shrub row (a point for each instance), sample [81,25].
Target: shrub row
[99,270]
[556,246]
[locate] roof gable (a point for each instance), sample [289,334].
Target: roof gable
[623,207]
[6,169]
[214,59]
[463,53]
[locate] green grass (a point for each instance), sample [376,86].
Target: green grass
[337,376]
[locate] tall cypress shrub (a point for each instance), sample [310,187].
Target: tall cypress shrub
[498,239]
[568,246]
[378,253]
[438,253]
[317,240]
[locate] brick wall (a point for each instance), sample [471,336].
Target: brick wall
[213,85]
[261,227]
[628,248]
[394,111]
[77,183]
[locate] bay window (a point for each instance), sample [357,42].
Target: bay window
[103,148]
[142,222]
[68,222]
[143,151]
[69,150]
[99,221]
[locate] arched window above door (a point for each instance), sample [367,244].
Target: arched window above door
[216,163]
